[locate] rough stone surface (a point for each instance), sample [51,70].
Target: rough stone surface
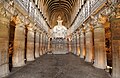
[59,66]
[4,40]
[100,60]
[30,46]
[19,47]
[82,45]
[89,46]
[115,24]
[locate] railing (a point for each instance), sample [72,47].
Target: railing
[89,7]
[24,4]
[33,12]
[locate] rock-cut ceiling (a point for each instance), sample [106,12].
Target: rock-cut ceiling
[63,8]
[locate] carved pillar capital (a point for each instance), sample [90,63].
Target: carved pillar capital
[16,20]
[98,25]
[82,31]
[26,21]
[30,27]
[102,19]
[89,28]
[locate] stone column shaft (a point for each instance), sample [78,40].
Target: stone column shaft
[99,47]
[78,45]
[49,43]
[89,45]
[30,45]
[115,27]
[4,41]
[45,44]
[37,45]
[41,45]
[69,45]
[82,44]
[72,44]
[19,46]
[74,41]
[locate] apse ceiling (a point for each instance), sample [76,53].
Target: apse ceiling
[63,8]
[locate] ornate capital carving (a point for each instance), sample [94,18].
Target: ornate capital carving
[98,25]
[30,27]
[16,20]
[102,19]
[35,28]
[89,27]
[94,20]
[82,31]
[26,22]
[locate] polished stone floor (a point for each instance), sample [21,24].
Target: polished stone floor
[59,66]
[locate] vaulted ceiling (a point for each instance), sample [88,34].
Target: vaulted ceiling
[55,8]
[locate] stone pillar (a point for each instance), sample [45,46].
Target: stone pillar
[89,44]
[115,28]
[65,43]
[82,43]
[37,50]
[69,45]
[49,43]
[99,46]
[39,42]
[74,41]
[72,44]
[19,46]
[4,41]
[30,45]
[78,44]
[41,45]
[45,43]
[34,29]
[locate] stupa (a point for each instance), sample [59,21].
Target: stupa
[59,31]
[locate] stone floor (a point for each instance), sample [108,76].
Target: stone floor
[59,66]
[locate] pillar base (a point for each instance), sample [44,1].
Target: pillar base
[88,60]
[99,66]
[30,59]
[4,70]
[18,64]
[41,54]
[81,56]
[75,53]
[37,55]
[37,49]
[78,54]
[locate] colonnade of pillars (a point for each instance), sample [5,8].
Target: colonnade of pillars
[35,47]
[92,44]
[89,43]
[19,43]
